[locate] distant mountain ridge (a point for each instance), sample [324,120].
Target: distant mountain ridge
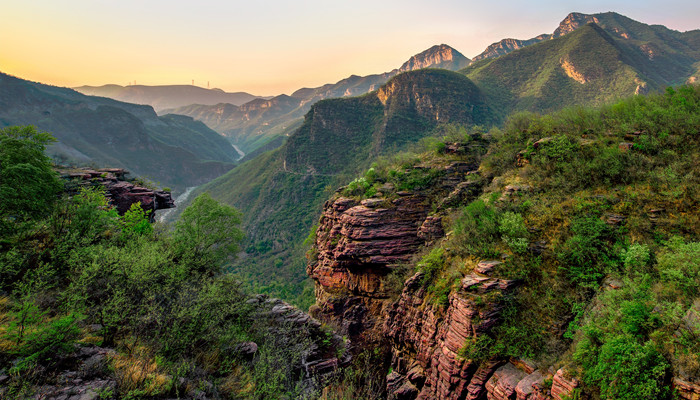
[615,24]
[174,150]
[167,96]
[589,59]
[260,121]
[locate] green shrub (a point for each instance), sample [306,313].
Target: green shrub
[587,253]
[135,222]
[28,184]
[623,368]
[47,341]
[636,257]
[679,267]
[513,231]
[432,264]
[476,230]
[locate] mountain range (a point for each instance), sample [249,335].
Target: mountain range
[172,150]
[642,57]
[328,134]
[167,96]
[259,122]
[281,192]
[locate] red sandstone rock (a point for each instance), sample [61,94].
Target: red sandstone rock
[122,194]
[686,390]
[530,387]
[431,229]
[486,267]
[562,385]
[502,384]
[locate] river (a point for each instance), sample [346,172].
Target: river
[161,215]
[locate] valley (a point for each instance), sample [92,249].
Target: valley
[522,225]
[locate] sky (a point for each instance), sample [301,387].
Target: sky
[268,47]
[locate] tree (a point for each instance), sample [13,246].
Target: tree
[208,230]
[28,184]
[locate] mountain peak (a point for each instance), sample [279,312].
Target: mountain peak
[438,56]
[572,22]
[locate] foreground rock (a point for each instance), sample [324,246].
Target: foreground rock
[121,192]
[360,243]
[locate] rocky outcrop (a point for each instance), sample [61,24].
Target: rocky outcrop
[572,22]
[358,246]
[359,243]
[321,351]
[120,192]
[439,56]
[572,72]
[505,46]
[686,390]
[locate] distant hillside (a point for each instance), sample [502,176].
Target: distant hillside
[174,151]
[280,193]
[167,96]
[587,66]
[656,42]
[258,122]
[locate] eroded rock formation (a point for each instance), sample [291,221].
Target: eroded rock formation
[120,192]
[360,242]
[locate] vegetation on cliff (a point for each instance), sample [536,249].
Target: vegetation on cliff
[592,215]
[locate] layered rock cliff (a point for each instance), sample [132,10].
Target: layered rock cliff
[120,192]
[362,247]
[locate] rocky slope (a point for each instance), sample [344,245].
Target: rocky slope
[358,245]
[505,46]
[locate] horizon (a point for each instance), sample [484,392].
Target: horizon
[290,46]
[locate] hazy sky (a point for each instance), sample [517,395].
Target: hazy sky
[271,46]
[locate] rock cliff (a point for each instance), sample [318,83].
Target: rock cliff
[120,192]
[359,246]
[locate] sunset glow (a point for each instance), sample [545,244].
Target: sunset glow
[269,47]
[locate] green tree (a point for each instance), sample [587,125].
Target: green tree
[208,230]
[28,184]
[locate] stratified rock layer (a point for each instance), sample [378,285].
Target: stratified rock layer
[121,193]
[358,244]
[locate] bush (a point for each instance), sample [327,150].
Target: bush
[432,264]
[679,267]
[476,230]
[587,253]
[513,231]
[625,369]
[28,184]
